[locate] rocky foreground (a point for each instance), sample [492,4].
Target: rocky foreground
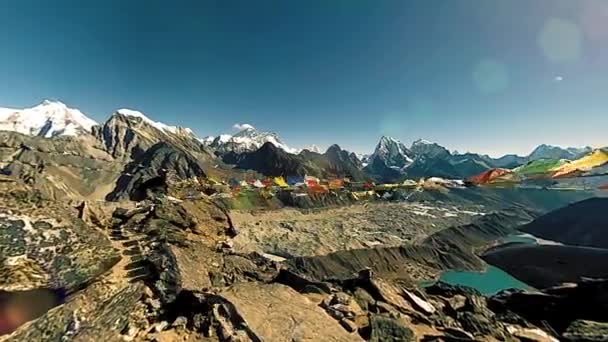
[179,270]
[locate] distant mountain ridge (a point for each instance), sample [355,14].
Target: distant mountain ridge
[246,140]
[127,134]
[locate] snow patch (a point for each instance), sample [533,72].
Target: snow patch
[158,125]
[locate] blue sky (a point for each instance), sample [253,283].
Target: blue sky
[485,76]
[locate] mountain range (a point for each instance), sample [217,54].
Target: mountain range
[60,147]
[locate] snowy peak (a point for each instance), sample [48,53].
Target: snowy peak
[48,119]
[156,124]
[389,149]
[545,151]
[248,140]
[421,142]
[390,153]
[313,148]
[425,148]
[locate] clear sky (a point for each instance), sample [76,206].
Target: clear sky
[489,76]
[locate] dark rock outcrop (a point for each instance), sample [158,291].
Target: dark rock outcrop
[584,223]
[270,160]
[128,137]
[147,175]
[544,266]
[560,307]
[583,330]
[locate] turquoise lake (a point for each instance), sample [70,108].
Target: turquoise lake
[489,282]
[492,280]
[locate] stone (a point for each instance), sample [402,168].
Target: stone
[180,322]
[340,298]
[419,303]
[275,312]
[391,294]
[456,302]
[458,333]
[385,329]
[363,298]
[161,326]
[349,325]
[477,324]
[50,248]
[584,330]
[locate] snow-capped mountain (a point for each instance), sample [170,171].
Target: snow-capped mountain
[389,159]
[159,125]
[424,148]
[392,152]
[313,148]
[48,119]
[128,133]
[247,140]
[555,152]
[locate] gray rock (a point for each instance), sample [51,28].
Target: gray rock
[50,248]
[389,330]
[582,330]
[349,325]
[275,312]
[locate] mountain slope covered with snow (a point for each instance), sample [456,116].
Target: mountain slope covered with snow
[247,140]
[48,119]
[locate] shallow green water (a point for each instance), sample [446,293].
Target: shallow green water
[489,282]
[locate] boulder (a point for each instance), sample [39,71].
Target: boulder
[389,330]
[50,248]
[583,330]
[275,312]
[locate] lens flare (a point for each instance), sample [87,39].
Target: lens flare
[490,76]
[560,40]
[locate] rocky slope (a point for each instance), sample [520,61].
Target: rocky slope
[67,167]
[127,134]
[149,172]
[169,272]
[336,162]
[584,223]
[270,160]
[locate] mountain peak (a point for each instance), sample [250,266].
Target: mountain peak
[391,152]
[47,119]
[156,124]
[545,151]
[422,142]
[53,103]
[334,147]
[248,139]
[386,139]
